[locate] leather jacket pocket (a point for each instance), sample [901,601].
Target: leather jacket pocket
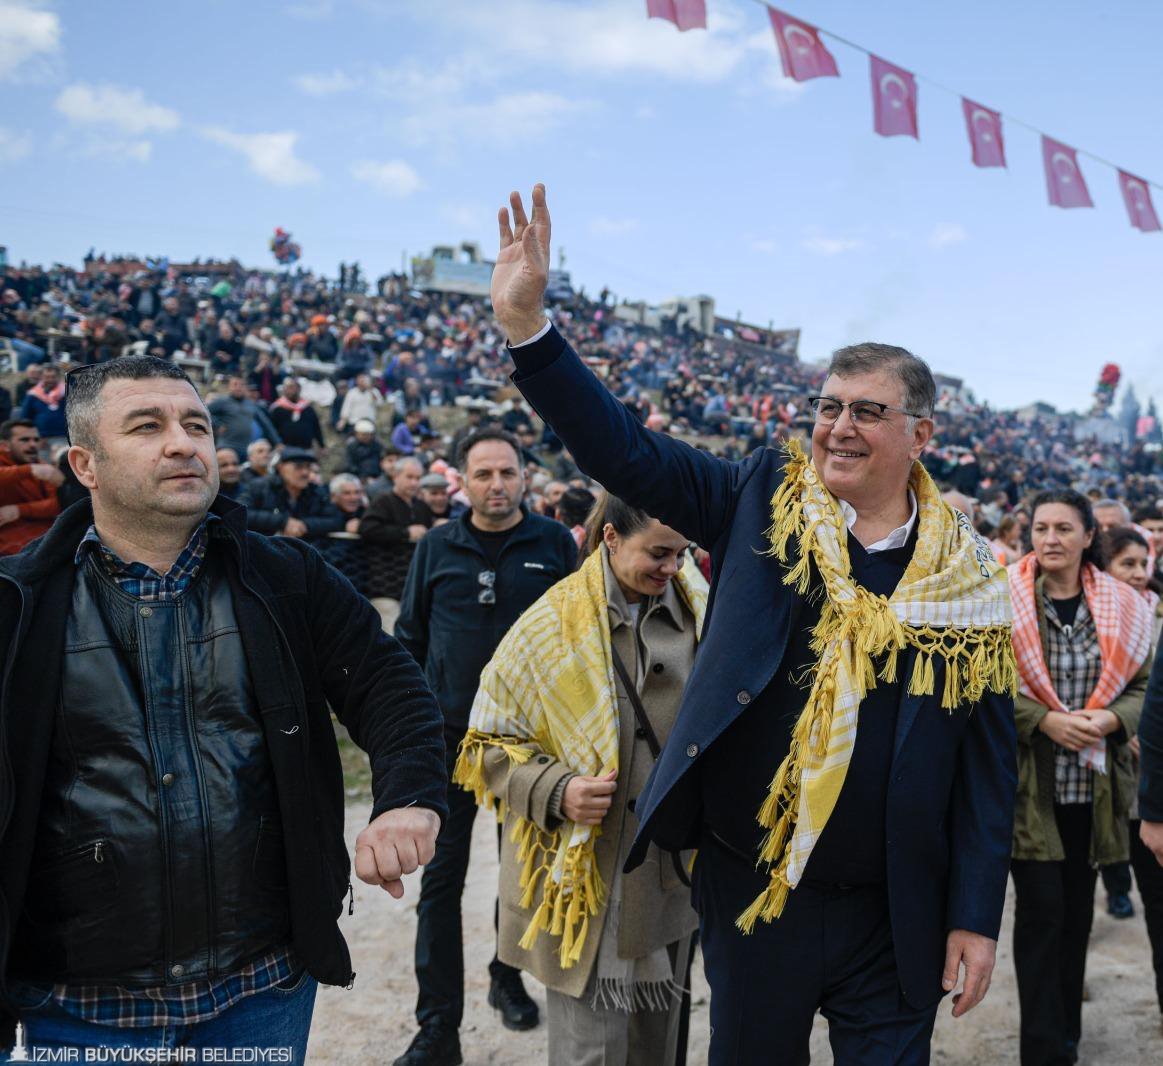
[75,886]
[270,859]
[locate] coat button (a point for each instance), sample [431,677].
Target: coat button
[543,758]
[692,750]
[743,698]
[167,779]
[145,612]
[657,668]
[177,970]
[640,733]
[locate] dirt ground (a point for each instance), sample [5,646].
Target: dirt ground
[374,1021]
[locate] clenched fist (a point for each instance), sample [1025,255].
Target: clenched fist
[398,842]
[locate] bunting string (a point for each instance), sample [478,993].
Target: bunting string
[804,56]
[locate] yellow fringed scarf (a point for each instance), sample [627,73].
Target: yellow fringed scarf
[952,603]
[550,687]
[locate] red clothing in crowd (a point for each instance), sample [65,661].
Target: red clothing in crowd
[35,499]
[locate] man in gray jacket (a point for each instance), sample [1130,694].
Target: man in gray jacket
[234,417]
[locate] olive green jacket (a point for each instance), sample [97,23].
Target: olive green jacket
[1035,829]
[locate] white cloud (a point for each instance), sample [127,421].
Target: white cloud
[392,178]
[13,146]
[498,95]
[764,245]
[599,38]
[831,245]
[26,33]
[269,155]
[414,83]
[337,81]
[107,105]
[947,233]
[613,227]
[504,120]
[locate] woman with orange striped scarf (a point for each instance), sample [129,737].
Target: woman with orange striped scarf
[1083,645]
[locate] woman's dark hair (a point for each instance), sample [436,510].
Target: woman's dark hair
[1117,539]
[1093,552]
[574,506]
[625,519]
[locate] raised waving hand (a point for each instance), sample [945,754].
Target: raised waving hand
[522,270]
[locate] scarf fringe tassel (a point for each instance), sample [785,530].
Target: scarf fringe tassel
[975,660]
[633,997]
[564,902]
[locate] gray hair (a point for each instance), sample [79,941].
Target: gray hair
[341,481]
[407,460]
[1108,502]
[255,444]
[83,409]
[917,384]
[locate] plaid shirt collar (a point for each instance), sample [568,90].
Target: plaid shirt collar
[144,582]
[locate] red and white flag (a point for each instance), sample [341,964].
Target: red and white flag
[685,14]
[1064,181]
[985,138]
[1137,197]
[894,100]
[800,49]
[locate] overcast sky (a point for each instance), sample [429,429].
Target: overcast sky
[676,163]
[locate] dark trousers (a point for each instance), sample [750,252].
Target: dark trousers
[1149,877]
[1054,907]
[831,950]
[439,935]
[1116,878]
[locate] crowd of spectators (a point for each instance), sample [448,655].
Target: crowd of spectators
[384,382]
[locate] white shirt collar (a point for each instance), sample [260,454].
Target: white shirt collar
[898,538]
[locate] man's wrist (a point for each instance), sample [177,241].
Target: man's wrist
[522,331]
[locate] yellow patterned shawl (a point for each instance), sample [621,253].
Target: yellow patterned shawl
[550,686]
[952,603]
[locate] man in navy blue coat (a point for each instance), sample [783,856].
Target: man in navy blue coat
[905,886]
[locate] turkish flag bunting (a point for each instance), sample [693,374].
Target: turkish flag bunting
[1064,181]
[800,49]
[685,14]
[984,127]
[1137,197]
[894,100]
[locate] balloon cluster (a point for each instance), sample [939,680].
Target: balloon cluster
[1104,392]
[285,250]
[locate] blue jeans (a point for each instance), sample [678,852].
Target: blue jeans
[277,1018]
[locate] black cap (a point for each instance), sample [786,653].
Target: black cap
[295,455]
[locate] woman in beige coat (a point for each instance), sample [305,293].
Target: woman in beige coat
[612,949]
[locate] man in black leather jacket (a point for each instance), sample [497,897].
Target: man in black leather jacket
[172,861]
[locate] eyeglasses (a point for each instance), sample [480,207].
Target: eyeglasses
[867,414]
[487,596]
